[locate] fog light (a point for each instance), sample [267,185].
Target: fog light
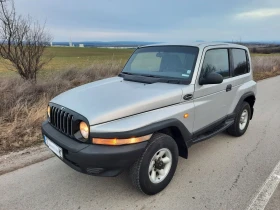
[95,170]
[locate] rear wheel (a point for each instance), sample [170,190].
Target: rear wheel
[153,171]
[241,121]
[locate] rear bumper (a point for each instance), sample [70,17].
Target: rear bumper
[92,159]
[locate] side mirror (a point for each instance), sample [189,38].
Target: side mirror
[211,78]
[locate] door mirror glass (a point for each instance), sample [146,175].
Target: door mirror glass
[211,78]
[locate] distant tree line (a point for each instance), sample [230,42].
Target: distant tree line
[265,50]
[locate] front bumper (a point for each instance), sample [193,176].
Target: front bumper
[93,159]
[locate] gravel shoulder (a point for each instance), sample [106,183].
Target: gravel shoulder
[16,160]
[274,202]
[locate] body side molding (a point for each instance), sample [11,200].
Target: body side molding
[154,127]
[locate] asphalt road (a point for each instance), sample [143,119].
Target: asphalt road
[274,202]
[221,173]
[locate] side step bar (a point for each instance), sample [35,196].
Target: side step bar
[213,132]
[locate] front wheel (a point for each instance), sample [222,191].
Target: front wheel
[153,171]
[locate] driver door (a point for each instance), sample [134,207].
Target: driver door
[212,101]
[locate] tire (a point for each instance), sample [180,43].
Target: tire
[236,129]
[141,173]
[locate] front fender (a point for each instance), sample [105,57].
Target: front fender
[148,122]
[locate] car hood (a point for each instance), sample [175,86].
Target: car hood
[114,98]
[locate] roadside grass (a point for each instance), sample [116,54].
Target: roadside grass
[23,105]
[265,66]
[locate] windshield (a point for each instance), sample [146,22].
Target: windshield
[163,61]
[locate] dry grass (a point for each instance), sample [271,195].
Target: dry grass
[23,105]
[265,66]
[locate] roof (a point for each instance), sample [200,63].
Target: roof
[199,44]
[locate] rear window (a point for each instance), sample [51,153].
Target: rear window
[240,63]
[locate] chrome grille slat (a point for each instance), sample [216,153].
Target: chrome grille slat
[68,123]
[55,116]
[51,115]
[62,120]
[57,120]
[71,127]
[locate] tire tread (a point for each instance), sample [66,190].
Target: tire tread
[233,130]
[134,171]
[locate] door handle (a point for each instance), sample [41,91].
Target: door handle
[229,87]
[188,97]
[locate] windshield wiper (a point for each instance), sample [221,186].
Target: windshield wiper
[143,75]
[149,75]
[126,73]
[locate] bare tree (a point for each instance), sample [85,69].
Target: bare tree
[22,41]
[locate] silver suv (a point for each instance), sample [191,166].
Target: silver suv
[167,98]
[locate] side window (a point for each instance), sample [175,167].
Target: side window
[216,60]
[240,64]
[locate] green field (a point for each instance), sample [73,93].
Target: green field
[80,58]
[67,57]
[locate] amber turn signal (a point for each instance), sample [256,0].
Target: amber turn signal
[117,142]
[186,115]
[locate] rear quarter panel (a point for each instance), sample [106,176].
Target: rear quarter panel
[243,84]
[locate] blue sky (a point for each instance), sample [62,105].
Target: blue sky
[157,20]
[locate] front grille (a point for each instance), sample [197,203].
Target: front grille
[62,121]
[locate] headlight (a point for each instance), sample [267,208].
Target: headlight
[116,142]
[49,111]
[84,130]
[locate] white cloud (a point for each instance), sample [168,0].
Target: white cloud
[260,13]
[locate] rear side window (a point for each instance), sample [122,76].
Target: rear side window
[216,60]
[240,63]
